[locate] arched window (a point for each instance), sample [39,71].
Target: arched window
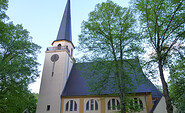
[136,104]
[71,106]
[91,105]
[59,46]
[113,104]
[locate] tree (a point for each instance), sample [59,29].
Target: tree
[163,23]
[18,65]
[107,38]
[32,105]
[177,85]
[3,8]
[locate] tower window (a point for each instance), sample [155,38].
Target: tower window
[59,47]
[48,108]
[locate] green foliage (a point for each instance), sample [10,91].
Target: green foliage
[135,105]
[107,38]
[32,102]
[18,66]
[110,28]
[177,84]
[3,8]
[163,23]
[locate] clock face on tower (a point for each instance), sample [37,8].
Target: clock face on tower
[54,57]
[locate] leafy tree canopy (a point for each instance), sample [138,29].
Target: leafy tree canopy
[3,8]
[177,84]
[109,29]
[109,37]
[163,23]
[18,65]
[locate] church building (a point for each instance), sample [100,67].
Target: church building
[64,90]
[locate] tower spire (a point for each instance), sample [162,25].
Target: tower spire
[64,32]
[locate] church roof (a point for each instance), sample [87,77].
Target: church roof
[78,86]
[64,32]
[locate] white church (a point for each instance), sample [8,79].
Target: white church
[64,90]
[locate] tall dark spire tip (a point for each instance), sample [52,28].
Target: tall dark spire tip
[64,32]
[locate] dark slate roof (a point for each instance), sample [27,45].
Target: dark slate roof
[64,32]
[78,86]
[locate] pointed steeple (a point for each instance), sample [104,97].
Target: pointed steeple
[64,32]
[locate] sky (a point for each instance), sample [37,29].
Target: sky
[42,19]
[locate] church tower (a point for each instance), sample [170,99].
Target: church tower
[57,66]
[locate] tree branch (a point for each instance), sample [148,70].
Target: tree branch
[172,17]
[153,44]
[172,32]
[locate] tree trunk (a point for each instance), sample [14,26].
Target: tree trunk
[122,87]
[122,102]
[169,106]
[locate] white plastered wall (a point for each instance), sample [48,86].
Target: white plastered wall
[52,86]
[161,107]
